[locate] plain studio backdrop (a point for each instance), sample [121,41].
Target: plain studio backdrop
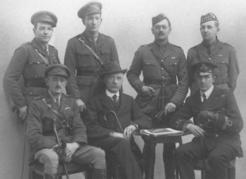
[129,23]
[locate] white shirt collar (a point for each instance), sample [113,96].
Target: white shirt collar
[207,93]
[110,94]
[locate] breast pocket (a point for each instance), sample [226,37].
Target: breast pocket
[172,64]
[35,69]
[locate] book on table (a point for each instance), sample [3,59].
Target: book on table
[161,132]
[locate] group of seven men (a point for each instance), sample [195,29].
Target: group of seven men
[81,104]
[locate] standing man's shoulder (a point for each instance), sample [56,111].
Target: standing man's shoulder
[195,48]
[145,47]
[107,38]
[226,46]
[175,48]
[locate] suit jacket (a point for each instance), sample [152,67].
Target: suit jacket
[100,122]
[40,119]
[84,66]
[223,55]
[29,61]
[159,63]
[221,101]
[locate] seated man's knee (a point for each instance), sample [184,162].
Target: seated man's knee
[49,158]
[99,158]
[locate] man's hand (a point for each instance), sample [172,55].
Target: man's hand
[117,135]
[129,130]
[195,130]
[81,105]
[22,112]
[170,107]
[148,90]
[70,150]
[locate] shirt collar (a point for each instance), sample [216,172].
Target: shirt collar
[54,98]
[208,92]
[110,94]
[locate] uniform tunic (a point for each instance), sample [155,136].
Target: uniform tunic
[84,66]
[221,54]
[220,144]
[29,61]
[159,64]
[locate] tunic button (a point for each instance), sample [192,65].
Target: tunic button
[209,58]
[162,68]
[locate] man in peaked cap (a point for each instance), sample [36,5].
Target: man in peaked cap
[30,61]
[55,118]
[163,88]
[112,119]
[216,127]
[87,52]
[211,49]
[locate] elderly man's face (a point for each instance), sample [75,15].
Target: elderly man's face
[56,84]
[209,30]
[204,80]
[43,32]
[92,22]
[161,30]
[114,82]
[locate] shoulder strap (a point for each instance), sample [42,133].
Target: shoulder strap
[98,59]
[158,61]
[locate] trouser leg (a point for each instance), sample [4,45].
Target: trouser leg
[219,161]
[186,155]
[92,156]
[168,159]
[121,150]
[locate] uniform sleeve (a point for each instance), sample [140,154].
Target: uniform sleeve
[34,130]
[95,130]
[232,120]
[79,129]
[138,117]
[13,74]
[233,69]
[114,54]
[190,59]
[135,71]
[70,62]
[182,116]
[182,76]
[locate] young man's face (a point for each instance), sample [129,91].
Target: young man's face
[43,32]
[56,84]
[209,30]
[92,22]
[161,30]
[204,80]
[114,82]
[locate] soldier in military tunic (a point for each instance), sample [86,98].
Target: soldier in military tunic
[164,84]
[212,49]
[216,127]
[87,52]
[30,61]
[54,120]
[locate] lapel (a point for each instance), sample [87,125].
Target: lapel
[108,104]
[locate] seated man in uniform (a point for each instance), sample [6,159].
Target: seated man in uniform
[112,118]
[216,127]
[55,130]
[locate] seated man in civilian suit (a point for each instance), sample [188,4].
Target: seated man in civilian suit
[54,120]
[216,127]
[113,118]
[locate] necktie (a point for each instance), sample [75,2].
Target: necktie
[115,100]
[204,97]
